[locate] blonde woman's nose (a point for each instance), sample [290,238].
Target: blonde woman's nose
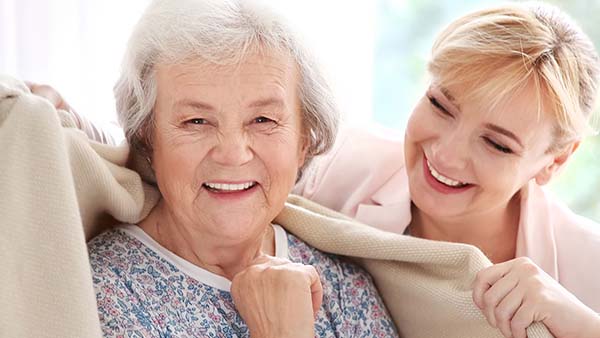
[450,153]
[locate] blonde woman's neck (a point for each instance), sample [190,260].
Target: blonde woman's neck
[494,233]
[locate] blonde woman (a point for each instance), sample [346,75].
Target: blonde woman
[511,92]
[512,89]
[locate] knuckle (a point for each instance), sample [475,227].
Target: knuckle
[536,283]
[501,315]
[480,275]
[277,272]
[489,299]
[523,260]
[238,280]
[517,325]
[528,267]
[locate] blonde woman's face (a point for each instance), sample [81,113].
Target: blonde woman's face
[467,158]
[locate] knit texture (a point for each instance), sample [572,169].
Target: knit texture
[58,189]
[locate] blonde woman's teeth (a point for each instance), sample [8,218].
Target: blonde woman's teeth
[230,187]
[444,179]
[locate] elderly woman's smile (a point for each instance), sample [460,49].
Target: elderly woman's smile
[230,190]
[226,147]
[229,187]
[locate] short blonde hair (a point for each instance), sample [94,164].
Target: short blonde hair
[494,53]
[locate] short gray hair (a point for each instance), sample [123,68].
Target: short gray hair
[221,32]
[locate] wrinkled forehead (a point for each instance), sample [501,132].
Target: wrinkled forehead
[257,79]
[255,61]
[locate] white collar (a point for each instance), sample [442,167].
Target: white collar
[194,271]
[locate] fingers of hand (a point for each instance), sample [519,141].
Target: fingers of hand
[245,278]
[266,261]
[485,279]
[276,273]
[524,317]
[505,311]
[495,295]
[316,288]
[501,292]
[48,93]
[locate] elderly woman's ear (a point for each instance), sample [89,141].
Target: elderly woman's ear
[305,145]
[304,156]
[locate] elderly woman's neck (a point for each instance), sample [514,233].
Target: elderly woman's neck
[203,249]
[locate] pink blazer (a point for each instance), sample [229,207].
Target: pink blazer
[364,177]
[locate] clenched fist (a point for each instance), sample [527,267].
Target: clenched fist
[278,298]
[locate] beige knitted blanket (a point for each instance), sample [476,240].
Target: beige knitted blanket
[57,188]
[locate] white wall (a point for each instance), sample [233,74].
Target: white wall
[77,45]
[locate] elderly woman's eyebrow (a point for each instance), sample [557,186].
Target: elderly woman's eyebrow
[196,105]
[268,102]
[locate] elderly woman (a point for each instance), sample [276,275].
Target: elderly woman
[512,89]
[228,108]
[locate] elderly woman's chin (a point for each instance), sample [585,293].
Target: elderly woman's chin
[237,221]
[218,211]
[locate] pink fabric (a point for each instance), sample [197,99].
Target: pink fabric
[364,177]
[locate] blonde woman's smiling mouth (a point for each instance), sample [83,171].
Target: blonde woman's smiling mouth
[442,183]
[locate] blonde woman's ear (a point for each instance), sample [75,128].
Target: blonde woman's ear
[546,174]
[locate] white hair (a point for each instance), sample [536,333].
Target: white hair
[221,32]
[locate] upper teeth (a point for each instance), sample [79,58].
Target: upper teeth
[442,178]
[230,187]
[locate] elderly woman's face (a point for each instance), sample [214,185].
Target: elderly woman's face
[227,143]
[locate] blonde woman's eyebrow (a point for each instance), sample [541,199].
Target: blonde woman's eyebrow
[449,96]
[504,132]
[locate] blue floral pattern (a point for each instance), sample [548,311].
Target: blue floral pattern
[141,294]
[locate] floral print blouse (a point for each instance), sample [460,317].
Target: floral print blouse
[144,290]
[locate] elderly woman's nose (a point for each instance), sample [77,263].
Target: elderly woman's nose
[232,149]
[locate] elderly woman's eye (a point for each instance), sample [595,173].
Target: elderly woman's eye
[262,119]
[196,121]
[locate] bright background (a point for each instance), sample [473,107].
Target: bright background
[373,52]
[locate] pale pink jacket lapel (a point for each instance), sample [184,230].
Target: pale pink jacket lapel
[536,238]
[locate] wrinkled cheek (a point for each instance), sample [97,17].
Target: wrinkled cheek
[175,183]
[280,186]
[173,190]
